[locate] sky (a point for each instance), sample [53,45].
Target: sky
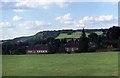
[27,18]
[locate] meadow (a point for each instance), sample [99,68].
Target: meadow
[81,64]
[75,35]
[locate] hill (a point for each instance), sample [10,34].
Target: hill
[60,34]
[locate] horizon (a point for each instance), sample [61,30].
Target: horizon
[28,18]
[55,30]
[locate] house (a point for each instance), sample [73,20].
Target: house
[71,47]
[38,49]
[92,46]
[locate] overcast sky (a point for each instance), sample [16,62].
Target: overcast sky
[27,18]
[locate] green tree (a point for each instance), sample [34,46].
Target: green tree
[83,42]
[93,37]
[118,43]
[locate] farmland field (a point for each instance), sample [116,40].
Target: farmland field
[82,64]
[75,35]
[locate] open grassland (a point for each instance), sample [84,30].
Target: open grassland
[0,65]
[82,64]
[75,35]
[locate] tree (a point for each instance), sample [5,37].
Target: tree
[61,49]
[93,41]
[6,48]
[93,37]
[83,33]
[20,50]
[83,42]
[118,43]
[54,45]
[110,37]
[113,33]
[50,39]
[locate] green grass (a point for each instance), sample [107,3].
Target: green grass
[74,35]
[82,64]
[99,33]
[0,65]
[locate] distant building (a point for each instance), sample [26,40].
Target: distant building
[92,46]
[72,47]
[38,49]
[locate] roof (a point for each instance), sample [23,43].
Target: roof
[38,47]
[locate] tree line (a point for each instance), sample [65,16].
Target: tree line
[108,40]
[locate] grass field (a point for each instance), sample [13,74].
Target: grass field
[75,35]
[83,64]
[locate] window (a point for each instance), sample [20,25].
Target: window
[76,48]
[72,49]
[40,51]
[29,51]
